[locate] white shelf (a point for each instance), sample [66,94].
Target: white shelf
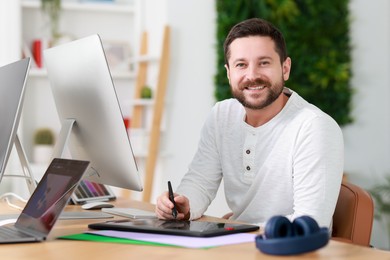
[123,74]
[36,72]
[144,58]
[142,102]
[86,6]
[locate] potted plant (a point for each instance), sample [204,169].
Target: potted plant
[52,8]
[43,145]
[381,196]
[146,92]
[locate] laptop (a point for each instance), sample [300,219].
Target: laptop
[46,203]
[175,227]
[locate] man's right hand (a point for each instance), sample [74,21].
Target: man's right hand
[164,207]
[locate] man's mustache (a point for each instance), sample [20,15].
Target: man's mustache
[256,82]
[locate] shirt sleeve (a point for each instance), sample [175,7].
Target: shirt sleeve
[200,184]
[317,170]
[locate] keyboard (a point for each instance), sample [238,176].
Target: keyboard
[9,234]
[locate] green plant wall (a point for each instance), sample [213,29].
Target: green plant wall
[317,38]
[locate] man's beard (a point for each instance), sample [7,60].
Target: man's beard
[271,93]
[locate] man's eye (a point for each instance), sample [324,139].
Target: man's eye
[240,65]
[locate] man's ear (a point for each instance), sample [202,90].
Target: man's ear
[227,72]
[286,66]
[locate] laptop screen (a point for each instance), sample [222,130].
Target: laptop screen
[51,196]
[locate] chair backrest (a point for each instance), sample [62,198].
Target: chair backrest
[354,215]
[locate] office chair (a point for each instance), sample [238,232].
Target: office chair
[354,215]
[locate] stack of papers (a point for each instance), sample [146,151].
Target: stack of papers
[163,240]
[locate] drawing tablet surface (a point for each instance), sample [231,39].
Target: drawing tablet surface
[175,227]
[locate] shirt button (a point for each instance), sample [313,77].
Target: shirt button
[248,168]
[248,151]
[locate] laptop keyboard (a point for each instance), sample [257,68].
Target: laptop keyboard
[10,233]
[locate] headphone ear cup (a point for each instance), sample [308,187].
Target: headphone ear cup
[278,227]
[305,226]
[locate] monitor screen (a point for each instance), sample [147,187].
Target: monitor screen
[88,107]
[13,78]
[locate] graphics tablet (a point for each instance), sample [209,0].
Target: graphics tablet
[174,227]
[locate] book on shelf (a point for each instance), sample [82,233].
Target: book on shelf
[38,45]
[35,51]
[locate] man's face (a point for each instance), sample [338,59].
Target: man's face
[255,74]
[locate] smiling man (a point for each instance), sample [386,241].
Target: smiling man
[277,153]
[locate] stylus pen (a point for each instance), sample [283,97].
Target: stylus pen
[171,198]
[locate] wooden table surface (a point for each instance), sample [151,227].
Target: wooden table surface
[68,249]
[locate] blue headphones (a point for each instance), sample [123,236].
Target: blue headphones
[282,237]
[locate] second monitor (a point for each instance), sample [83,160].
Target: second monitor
[88,107]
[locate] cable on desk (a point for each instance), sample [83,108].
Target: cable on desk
[6,198]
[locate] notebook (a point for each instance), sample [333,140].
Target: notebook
[46,203]
[175,227]
[130,212]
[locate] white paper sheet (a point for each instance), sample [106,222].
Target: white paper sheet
[183,241]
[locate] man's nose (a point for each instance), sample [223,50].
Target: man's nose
[253,72]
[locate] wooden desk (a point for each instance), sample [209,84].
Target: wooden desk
[66,249]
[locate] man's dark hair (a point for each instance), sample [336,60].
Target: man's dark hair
[256,27]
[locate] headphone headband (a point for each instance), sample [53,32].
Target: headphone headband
[313,238]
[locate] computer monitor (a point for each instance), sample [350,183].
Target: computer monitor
[13,79]
[88,107]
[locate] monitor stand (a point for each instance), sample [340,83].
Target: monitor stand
[27,172]
[59,152]
[60,145]
[30,180]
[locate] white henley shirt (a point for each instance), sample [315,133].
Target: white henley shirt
[290,166]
